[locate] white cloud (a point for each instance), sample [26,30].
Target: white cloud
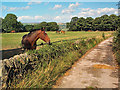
[67,11]
[57,18]
[31,3]
[24,8]
[17,8]
[4,7]
[38,17]
[62,18]
[57,6]
[74,5]
[30,18]
[85,9]
[87,12]
[12,9]
[84,12]
[70,9]
[25,18]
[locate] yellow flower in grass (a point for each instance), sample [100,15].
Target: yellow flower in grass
[76,45]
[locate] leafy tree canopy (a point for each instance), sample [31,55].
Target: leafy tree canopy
[103,23]
[10,23]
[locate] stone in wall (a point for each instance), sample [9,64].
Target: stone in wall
[15,67]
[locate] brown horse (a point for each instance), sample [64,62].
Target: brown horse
[63,32]
[13,31]
[58,32]
[29,40]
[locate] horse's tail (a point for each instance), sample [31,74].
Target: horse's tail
[23,41]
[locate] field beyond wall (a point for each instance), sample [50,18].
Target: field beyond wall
[13,40]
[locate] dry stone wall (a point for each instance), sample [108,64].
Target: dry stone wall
[15,67]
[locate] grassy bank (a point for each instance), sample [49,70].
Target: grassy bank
[53,61]
[13,40]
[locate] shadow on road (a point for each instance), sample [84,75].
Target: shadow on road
[10,52]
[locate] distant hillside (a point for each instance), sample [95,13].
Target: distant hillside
[29,23]
[62,25]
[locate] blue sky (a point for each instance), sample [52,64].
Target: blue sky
[60,12]
[60,0]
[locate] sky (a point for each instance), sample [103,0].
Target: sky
[60,12]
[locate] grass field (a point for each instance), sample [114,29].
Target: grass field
[13,40]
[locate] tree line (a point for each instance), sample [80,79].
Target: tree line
[10,23]
[103,23]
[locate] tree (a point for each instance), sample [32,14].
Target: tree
[67,25]
[19,27]
[88,22]
[96,23]
[43,25]
[74,19]
[80,23]
[1,25]
[104,17]
[52,26]
[73,23]
[29,28]
[10,23]
[114,21]
[37,27]
[103,23]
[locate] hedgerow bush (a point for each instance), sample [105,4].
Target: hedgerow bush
[116,45]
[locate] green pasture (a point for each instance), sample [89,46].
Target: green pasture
[13,40]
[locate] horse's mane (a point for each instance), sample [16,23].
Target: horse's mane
[32,32]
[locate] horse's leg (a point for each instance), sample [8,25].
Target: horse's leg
[33,46]
[27,45]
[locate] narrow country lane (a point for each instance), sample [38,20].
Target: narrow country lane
[96,69]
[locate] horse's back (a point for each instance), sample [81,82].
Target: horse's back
[24,36]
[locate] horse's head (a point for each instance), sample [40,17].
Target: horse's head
[44,37]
